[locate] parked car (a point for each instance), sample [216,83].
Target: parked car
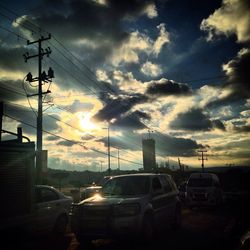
[204,189]
[128,205]
[51,212]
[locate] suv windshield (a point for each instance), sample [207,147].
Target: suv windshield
[200,182]
[127,186]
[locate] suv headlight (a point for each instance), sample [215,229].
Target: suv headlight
[127,209]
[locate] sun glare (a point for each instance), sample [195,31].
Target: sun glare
[86,123]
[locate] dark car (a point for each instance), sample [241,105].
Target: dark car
[52,210]
[49,214]
[128,205]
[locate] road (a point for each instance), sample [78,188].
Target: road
[202,229]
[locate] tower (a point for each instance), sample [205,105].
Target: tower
[148,151]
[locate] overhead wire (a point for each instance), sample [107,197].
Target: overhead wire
[76,142]
[89,70]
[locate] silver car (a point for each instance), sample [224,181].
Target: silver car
[128,205]
[51,212]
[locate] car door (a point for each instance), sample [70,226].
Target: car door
[47,207]
[158,200]
[171,192]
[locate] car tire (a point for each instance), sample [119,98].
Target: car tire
[177,218]
[61,224]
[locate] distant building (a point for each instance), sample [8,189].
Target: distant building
[148,151]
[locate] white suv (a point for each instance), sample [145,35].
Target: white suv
[128,205]
[204,189]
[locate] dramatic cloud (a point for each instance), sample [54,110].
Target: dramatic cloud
[117,106]
[12,58]
[66,143]
[237,71]
[131,121]
[127,82]
[233,17]
[166,145]
[161,40]
[243,129]
[11,90]
[165,87]
[27,119]
[195,120]
[172,146]
[236,89]
[151,69]
[102,22]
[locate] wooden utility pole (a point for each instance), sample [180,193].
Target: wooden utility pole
[1,120]
[42,76]
[202,159]
[109,169]
[118,159]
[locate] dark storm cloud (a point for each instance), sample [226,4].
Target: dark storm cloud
[27,118]
[242,129]
[51,138]
[115,107]
[13,90]
[195,120]
[10,90]
[165,145]
[218,124]
[12,58]
[73,20]
[131,121]
[66,143]
[173,146]
[168,87]
[238,73]
[238,81]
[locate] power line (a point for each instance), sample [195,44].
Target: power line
[66,139]
[216,77]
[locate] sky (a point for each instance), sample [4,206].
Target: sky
[174,71]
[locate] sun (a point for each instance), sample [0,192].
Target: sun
[85,121]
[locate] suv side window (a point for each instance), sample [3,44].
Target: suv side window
[172,183]
[166,185]
[156,185]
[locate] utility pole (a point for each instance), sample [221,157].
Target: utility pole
[202,159]
[42,76]
[118,158]
[1,120]
[109,170]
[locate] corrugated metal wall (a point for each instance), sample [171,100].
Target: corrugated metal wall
[17,165]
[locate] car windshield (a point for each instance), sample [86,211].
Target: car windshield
[200,182]
[127,186]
